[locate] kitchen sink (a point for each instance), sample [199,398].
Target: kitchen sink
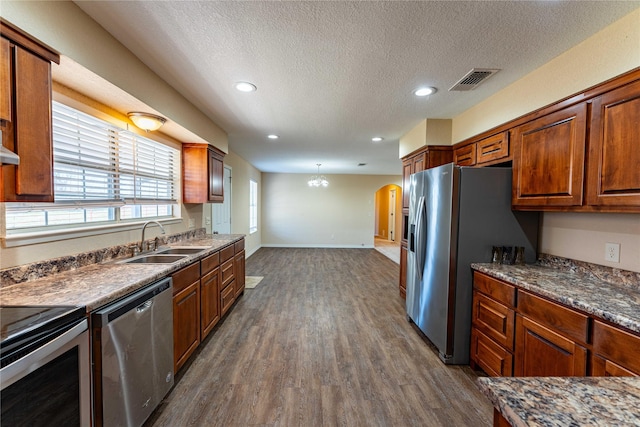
[154,259]
[183,251]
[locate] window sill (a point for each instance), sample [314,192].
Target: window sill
[24,239]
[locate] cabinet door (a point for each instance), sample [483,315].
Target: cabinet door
[406,180]
[491,357]
[419,162]
[216,177]
[238,274]
[403,271]
[209,302]
[540,352]
[548,160]
[6,88]
[29,134]
[601,367]
[614,149]
[493,148]
[186,323]
[465,156]
[620,347]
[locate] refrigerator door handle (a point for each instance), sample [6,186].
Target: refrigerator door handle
[420,236]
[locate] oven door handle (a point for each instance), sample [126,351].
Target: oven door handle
[42,355]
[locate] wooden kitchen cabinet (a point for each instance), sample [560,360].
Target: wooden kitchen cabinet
[25,116]
[209,294]
[493,324]
[549,158]
[239,268]
[465,156]
[186,313]
[550,338]
[614,149]
[615,352]
[202,174]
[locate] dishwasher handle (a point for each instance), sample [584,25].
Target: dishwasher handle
[140,301]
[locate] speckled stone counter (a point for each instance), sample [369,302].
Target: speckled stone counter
[97,284]
[565,402]
[616,299]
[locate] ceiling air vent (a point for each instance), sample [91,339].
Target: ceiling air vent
[473,78]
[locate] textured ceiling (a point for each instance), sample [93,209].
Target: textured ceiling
[332,75]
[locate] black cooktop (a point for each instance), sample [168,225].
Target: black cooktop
[23,328]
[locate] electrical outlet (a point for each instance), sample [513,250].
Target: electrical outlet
[207,221]
[612,252]
[192,223]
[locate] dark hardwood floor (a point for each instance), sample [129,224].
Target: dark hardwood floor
[322,341]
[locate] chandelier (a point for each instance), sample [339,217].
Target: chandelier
[318,180]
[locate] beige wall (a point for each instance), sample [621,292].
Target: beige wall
[427,132]
[241,173]
[341,215]
[66,28]
[609,53]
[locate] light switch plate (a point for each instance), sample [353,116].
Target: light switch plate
[612,252]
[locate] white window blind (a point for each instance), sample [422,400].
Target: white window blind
[95,161]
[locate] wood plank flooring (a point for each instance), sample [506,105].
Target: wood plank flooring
[322,341]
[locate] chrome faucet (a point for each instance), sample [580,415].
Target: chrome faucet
[144,227]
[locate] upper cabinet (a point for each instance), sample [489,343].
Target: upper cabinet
[491,150]
[614,149]
[202,172]
[428,157]
[548,160]
[465,156]
[25,116]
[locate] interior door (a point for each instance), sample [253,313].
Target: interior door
[392,215]
[221,212]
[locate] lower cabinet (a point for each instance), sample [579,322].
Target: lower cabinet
[541,352]
[515,332]
[203,292]
[186,313]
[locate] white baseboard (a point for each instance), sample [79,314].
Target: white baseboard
[323,246]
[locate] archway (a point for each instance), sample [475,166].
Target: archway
[388,221]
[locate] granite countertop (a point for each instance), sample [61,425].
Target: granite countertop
[619,303]
[566,401]
[98,284]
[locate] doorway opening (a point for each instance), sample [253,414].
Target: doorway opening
[221,212]
[388,217]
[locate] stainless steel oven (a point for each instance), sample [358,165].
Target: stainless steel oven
[45,366]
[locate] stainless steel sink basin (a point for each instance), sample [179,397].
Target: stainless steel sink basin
[154,259]
[182,251]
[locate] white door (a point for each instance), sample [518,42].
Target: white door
[392,215]
[221,212]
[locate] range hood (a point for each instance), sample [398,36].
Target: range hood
[8,157]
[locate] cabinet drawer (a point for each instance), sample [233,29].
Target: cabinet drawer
[620,346]
[227,296]
[561,319]
[493,148]
[209,263]
[493,319]
[226,253]
[496,289]
[185,277]
[465,156]
[239,246]
[493,359]
[227,272]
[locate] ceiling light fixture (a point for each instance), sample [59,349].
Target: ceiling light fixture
[377,139]
[318,180]
[146,121]
[246,87]
[424,91]
[272,136]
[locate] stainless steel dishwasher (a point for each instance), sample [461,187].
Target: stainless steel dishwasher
[133,355]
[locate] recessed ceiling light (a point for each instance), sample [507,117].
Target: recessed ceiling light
[377,138]
[424,91]
[272,136]
[246,87]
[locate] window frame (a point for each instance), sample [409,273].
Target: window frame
[253,206]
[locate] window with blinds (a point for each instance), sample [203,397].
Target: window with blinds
[102,173]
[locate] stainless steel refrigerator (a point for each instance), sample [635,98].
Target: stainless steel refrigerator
[456,215]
